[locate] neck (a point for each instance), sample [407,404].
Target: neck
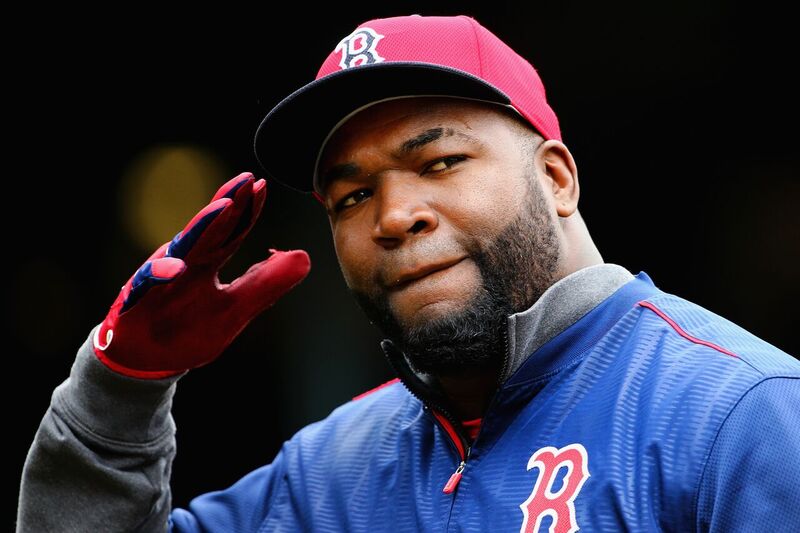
[469,394]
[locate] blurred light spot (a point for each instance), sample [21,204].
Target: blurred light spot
[164,188]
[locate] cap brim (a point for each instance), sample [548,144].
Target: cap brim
[288,140]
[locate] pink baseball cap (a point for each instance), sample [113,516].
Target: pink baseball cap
[392,58]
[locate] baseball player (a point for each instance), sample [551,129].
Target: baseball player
[537,387]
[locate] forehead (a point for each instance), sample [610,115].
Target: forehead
[392,116]
[406,123]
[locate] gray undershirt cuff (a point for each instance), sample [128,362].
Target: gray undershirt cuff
[111,405]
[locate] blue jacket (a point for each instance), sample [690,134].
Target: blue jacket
[649,413]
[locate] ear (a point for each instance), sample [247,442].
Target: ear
[560,176]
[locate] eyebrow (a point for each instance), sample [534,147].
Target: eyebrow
[426,137]
[346,170]
[342,170]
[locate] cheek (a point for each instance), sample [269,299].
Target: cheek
[353,258]
[484,204]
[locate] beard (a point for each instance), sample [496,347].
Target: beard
[516,267]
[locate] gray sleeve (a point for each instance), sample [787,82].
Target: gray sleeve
[102,456]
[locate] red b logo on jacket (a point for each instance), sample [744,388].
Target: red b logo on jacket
[558,505]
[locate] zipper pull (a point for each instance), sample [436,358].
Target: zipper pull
[454,479]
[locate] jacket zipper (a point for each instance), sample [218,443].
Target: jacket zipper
[450,426]
[501,376]
[452,483]
[462,446]
[455,477]
[443,416]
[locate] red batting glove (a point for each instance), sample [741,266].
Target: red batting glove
[174,314]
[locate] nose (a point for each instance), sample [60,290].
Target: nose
[403,210]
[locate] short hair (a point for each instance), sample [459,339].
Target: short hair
[527,136]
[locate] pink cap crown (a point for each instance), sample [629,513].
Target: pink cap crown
[396,57]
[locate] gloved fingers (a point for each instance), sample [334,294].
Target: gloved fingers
[161,251]
[249,216]
[259,197]
[229,188]
[265,282]
[208,247]
[186,239]
[156,272]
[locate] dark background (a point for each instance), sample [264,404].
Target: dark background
[681,117]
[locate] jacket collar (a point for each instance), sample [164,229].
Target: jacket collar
[571,343]
[554,343]
[560,306]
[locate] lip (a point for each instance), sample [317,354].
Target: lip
[407,277]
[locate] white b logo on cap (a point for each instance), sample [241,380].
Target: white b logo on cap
[358,48]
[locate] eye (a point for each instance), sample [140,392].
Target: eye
[351,199]
[444,163]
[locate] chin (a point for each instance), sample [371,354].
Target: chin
[433,312]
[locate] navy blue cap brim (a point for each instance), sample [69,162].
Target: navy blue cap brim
[288,140]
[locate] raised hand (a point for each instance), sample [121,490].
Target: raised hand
[174,314]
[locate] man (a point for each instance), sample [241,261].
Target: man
[538,388]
